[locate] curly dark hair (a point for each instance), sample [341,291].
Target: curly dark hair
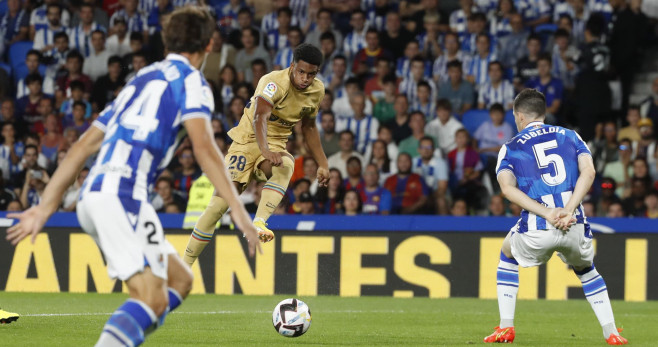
[308,53]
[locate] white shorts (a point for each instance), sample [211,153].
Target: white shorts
[128,232]
[536,247]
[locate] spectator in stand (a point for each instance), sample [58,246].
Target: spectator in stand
[640,171]
[329,138]
[99,15]
[616,210]
[80,36]
[354,180]
[245,20]
[52,140]
[44,39]
[156,15]
[138,62]
[34,140]
[417,125]
[66,110]
[424,103]
[564,58]
[188,172]
[32,60]
[79,121]
[394,37]
[39,17]
[374,88]
[444,127]
[408,190]
[311,172]
[458,91]
[258,70]
[27,106]
[283,57]
[298,188]
[228,77]
[278,38]
[329,50]
[434,171]
[501,21]
[429,39]
[382,158]
[352,203]
[632,131]
[497,206]
[329,198]
[11,152]
[511,47]
[6,194]
[535,12]
[221,54]
[604,147]
[526,67]
[73,68]
[165,195]
[234,114]
[459,208]
[55,59]
[336,81]
[323,24]
[270,22]
[71,195]
[135,20]
[339,159]
[621,170]
[107,87]
[489,137]
[250,51]
[305,204]
[548,85]
[459,17]
[476,26]
[28,162]
[33,186]
[403,63]
[465,170]
[376,199]
[45,108]
[400,124]
[385,100]
[409,85]
[478,69]
[651,204]
[14,26]
[649,107]
[634,204]
[646,147]
[496,90]
[356,39]
[592,90]
[452,52]
[119,42]
[71,135]
[95,65]
[363,125]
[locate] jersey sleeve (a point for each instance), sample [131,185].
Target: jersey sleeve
[269,90]
[197,100]
[503,161]
[579,144]
[104,118]
[385,202]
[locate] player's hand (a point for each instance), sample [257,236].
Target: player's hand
[565,221]
[243,222]
[30,222]
[273,157]
[553,215]
[323,177]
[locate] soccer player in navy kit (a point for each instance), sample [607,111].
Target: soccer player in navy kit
[547,170]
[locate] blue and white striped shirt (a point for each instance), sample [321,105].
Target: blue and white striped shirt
[364,130]
[135,23]
[354,42]
[500,27]
[46,36]
[39,18]
[532,9]
[403,68]
[144,125]
[428,109]
[544,160]
[502,94]
[409,87]
[440,66]
[81,41]
[146,6]
[479,68]
[458,20]
[270,22]
[283,57]
[276,41]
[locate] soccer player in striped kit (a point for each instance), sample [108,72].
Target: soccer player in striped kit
[547,170]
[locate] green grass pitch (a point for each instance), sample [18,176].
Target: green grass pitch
[210,320]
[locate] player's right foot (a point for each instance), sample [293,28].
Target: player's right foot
[7,317]
[616,340]
[501,335]
[265,234]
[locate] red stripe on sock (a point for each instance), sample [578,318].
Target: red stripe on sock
[198,239]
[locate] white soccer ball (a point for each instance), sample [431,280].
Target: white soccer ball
[291,318]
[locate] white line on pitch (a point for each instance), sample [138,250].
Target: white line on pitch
[206,312]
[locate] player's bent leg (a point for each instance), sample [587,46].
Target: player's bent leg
[138,316]
[179,281]
[205,227]
[596,293]
[273,191]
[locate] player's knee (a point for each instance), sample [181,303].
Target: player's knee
[157,300]
[183,282]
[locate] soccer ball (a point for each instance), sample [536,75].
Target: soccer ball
[291,318]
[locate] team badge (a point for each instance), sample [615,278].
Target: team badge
[306,111]
[270,89]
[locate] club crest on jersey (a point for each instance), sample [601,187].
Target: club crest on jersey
[270,89]
[306,111]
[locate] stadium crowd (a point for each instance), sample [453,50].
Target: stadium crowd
[418,94]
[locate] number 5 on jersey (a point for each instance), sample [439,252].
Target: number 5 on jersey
[544,161]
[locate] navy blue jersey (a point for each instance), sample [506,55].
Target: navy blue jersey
[544,160]
[144,125]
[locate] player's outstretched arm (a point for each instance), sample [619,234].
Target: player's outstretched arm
[507,182]
[262,113]
[312,139]
[31,221]
[586,176]
[212,163]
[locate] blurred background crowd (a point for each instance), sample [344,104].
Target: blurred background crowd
[418,94]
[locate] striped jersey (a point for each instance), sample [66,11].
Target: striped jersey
[81,40]
[364,130]
[144,125]
[544,160]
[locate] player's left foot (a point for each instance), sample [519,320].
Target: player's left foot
[265,234]
[7,317]
[616,340]
[501,335]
